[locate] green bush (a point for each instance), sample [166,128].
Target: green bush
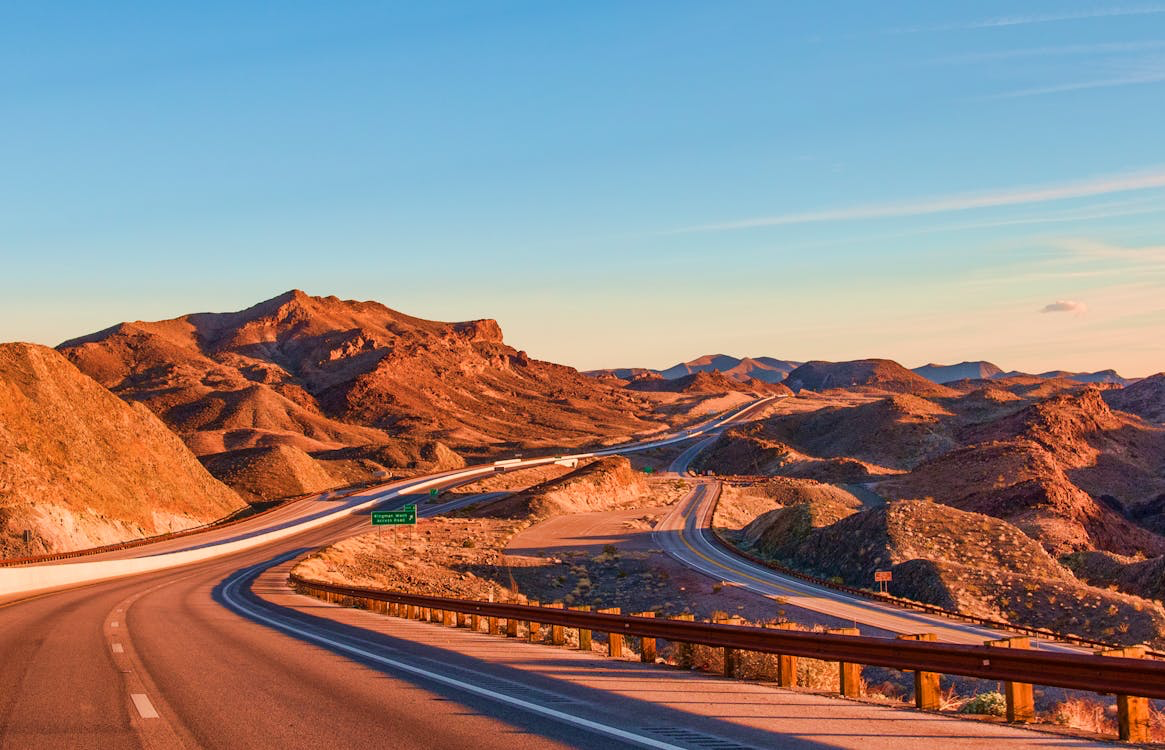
[990,704]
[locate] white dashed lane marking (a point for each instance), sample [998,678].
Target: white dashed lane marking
[118,648]
[142,703]
[113,624]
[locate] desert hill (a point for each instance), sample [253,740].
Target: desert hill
[881,375]
[323,374]
[1145,398]
[82,468]
[962,371]
[897,432]
[960,560]
[711,381]
[767,369]
[764,369]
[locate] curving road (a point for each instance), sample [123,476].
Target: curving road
[685,534]
[220,653]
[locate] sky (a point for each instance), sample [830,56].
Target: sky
[617,183]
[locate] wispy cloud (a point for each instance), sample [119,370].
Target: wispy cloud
[964,202]
[1134,79]
[1065,305]
[1065,50]
[1034,18]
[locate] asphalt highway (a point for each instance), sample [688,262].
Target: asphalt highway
[221,654]
[685,534]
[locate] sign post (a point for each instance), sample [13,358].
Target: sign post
[403,516]
[882,577]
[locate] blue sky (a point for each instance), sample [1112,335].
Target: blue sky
[617,183]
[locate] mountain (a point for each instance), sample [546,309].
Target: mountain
[323,374]
[963,371]
[81,468]
[1145,398]
[882,375]
[1101,376]
[712,381]
[766,369]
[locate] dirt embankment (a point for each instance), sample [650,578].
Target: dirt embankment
[605,484]
[82,468]
[465,556]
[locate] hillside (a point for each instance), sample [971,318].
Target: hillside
[705,382]
[323,374]
[967,561]
[961,371]
[881,375]
[767,369]
[897,432]
[603,484]
[1145,398]
[82,468]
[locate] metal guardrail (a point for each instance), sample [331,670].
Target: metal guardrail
[1102,674]
[932,609]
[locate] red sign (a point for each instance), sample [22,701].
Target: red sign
[882,576]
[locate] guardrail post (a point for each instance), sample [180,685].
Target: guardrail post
[684,650]
[729,653]
[450,618]
[926,684]
[557,632]
[511,627]
[584,635]
[1132,712]
[475,622]
[786,663]
[849,676]
[533,627]
[491,625]
[614,640]
[646,645]
[1020,704]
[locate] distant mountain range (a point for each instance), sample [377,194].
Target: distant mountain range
[766,369]
[987,371]
[773,370]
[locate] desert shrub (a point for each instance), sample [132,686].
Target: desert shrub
[990,704]
[1084,713]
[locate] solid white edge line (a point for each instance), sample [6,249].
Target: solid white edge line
[141,702]
[233,583]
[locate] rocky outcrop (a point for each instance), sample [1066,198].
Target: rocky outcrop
[79,467]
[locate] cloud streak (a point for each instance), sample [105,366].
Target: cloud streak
[1138,79]
[1065,305]
[963,202]
[1025,20]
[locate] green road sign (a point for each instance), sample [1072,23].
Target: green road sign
[433,492]
[405,515]
[648,469]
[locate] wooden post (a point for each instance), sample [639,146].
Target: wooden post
[729,669]
[684,650]
[532,627]
[584,635]
[557,632]
[614,640]
[491,625]
[511,627]
[786,663]
[475,622]
[1132,712]
[849,676]
[926,687]
[451,618]
[1020,704]
[646,645]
